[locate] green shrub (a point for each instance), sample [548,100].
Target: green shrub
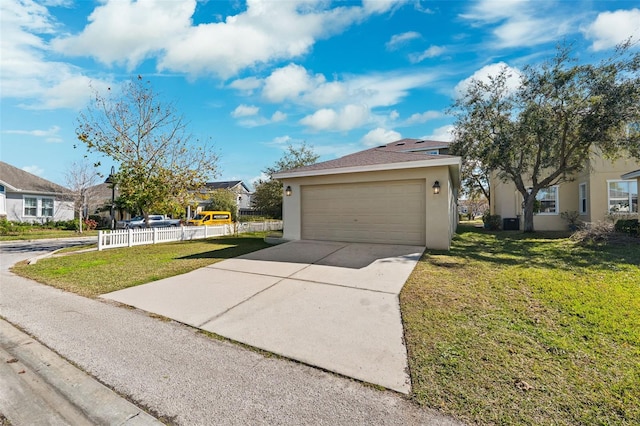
[628,226]
[491,221]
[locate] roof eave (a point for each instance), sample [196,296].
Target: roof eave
[631,175]
[449,161]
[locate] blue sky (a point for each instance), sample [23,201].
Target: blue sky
[255,76]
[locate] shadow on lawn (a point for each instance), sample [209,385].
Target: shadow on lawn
[231,247]
[545,249]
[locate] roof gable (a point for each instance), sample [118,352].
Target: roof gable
[17,180]
[230,184]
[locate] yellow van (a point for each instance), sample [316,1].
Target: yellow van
[210,218]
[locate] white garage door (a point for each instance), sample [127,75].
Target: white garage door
[373,212]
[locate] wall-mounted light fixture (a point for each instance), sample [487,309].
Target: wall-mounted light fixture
[288,191]
[436,187]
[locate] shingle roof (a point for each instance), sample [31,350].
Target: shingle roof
[404,150]
[18,180]
[226,185]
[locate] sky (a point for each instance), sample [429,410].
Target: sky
[256,76]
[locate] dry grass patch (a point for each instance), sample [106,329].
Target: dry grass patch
[514,329]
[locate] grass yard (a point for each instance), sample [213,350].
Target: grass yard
[509,328]
[97,272]
[39,234]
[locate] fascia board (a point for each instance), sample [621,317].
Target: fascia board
[451,161]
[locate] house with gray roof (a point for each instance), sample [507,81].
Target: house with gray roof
[404,192]
[25,197]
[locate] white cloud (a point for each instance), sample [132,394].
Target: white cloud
[399,39]
[245,111]
[444,133]
[51,131]
[521,22]
[286,83]
[128,32]
[393,115]
[34,170]
[25,73]
[431,52]
[484,73]
[298,85]
[278,116]
[380,136]
[347,118]
[248,84]
[612,28]
[281,140]
[424,117]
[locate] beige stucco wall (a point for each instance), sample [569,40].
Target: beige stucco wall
[507,201]
[440,208]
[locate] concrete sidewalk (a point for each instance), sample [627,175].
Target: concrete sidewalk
[38,387]
[328,304]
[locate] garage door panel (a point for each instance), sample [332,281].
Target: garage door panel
[377,212]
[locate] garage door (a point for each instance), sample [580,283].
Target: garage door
[375,212]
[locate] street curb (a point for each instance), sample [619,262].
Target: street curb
[39,375]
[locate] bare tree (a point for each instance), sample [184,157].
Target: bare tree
[79,177]
[160,165]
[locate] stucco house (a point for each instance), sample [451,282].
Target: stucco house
[25,197]
[404,192]
[605,188]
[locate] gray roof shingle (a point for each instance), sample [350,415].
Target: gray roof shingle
[404,150]
[20,181]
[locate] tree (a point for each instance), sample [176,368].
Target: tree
[267,196]
[160,164]
[79,178]
[224,200]
[541,133]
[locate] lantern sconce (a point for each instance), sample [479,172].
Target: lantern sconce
[288,191]
[436,187]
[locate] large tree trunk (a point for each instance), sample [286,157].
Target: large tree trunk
[529,202]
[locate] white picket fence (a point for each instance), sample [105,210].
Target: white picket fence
[136,237]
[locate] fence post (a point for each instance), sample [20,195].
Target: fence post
[130,239]
[155,235]
[99,240]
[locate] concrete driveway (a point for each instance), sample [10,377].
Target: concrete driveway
[328,304]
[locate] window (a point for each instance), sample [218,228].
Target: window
[3,198]
[47,207]
[433,152]
[30,206]
[548,198]
[582,195]
[623,196]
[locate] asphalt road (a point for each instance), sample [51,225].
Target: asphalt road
[182,376]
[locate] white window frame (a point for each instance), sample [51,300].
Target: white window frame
[583,198]
[557,201]
[3,200]
[629,199]
[42,207]
[24,206]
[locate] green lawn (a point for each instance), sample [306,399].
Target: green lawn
[39,234]
[97,272]
[509,328]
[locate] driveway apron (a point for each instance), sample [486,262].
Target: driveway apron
[328,304]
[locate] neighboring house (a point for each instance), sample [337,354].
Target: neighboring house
[404,192]
[25,197]
[601,190]
[98,203]
[243,195]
